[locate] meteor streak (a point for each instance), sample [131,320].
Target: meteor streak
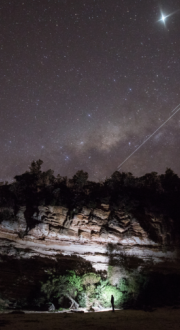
[177,109]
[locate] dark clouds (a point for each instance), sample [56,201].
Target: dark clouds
[84,83]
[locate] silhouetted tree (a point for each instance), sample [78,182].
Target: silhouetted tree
[35,167]
[80,179]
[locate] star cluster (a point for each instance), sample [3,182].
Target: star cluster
[84,83]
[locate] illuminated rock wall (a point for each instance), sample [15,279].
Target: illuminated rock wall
[91,234]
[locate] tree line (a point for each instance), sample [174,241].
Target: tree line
[152,192]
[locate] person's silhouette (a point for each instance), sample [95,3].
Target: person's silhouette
[112,302]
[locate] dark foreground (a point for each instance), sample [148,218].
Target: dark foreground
[165,318]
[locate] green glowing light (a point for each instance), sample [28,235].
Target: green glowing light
[106,293]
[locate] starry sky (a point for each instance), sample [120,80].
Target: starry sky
[84,83]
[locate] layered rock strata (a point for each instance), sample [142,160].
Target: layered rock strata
[92,234]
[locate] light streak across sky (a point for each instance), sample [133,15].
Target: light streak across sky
[177,108]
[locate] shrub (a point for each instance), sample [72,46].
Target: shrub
[90,278]
[82,299]
[62,286]
[104,292]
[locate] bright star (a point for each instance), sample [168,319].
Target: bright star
[163,17]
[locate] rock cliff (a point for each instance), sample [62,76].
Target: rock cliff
[92,234]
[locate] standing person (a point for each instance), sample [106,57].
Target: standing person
[112,303]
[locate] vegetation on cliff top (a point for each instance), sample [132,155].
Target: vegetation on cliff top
[154,193]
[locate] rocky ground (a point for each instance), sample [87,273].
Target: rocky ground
[160,319]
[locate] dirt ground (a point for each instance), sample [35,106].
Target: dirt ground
[166,318]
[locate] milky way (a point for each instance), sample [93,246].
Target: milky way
[84,83]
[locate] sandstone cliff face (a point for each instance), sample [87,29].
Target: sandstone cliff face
[87,234]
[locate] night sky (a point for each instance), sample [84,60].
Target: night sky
[84,83]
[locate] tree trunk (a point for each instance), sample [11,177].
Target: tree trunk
[74,304]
